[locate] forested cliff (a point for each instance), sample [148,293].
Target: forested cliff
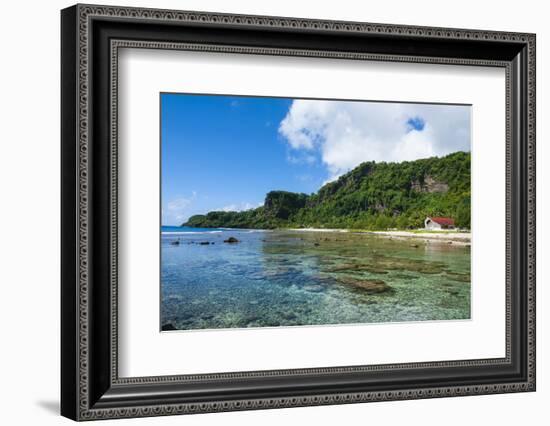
[371,196]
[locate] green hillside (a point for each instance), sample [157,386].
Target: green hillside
[371,196]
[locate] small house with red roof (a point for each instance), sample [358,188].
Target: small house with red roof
[435,223]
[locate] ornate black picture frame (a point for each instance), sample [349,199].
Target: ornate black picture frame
[91,36]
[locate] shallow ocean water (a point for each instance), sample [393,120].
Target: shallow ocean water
[291,278]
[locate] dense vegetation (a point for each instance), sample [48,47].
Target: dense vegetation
[371,196]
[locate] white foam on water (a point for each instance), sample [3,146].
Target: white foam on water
[190,233]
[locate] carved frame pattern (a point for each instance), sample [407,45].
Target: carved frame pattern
[85,13]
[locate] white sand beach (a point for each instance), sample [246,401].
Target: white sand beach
[458,238]
[448,237]
[318,230]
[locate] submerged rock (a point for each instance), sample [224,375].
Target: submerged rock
[409,265]
[168,327]
[405,276]
[356,267]
[314,288]
[457,276]
[370,286]
[231,240]
[175,243]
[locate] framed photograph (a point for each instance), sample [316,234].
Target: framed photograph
[263,212]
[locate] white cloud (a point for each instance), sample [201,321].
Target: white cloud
[301,158]
[176,210]
[239,207]
[345,134]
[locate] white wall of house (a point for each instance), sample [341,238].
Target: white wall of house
[430,224]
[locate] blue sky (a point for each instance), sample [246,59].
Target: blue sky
[224,152]
[227,152]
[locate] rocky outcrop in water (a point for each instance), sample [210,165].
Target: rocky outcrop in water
[231,240]
[168,327]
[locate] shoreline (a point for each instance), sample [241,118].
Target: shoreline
[445,237]
[457,238]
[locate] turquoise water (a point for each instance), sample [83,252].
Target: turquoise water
[290,278]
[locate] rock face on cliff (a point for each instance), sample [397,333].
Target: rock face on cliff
[283,204]
[346,183]
[430,185]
